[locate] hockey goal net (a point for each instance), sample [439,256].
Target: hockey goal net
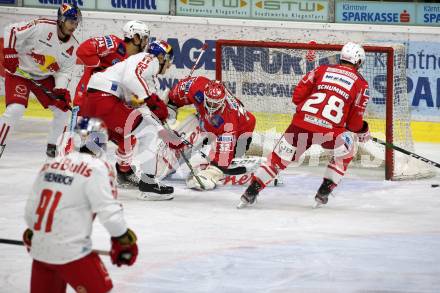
[263,74]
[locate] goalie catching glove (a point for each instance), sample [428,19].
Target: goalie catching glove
[209,177]
[124,249]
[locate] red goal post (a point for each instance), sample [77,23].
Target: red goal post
[263,74]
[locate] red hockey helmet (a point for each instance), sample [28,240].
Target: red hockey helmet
[214,96]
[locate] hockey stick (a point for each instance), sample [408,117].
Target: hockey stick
[191,169]
[49,93]
[204,47]
[406,152]
[2,149]
[73,118]
[21,243]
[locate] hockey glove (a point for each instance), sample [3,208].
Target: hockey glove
[27,239]
[10,62]
[209,177]
[172,139]
[157,106]
[364,134]
[124,249]
[63,99]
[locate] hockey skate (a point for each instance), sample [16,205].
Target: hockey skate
[127,179]
[250,195]
[321,197]
[152,190]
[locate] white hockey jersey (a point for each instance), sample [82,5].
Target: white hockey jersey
[136,75]
[41,53]
[67,194]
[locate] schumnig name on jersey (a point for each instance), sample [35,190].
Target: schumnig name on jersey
[334,89]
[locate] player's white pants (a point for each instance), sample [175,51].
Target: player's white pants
[10,118]
[58,125]
[148,141]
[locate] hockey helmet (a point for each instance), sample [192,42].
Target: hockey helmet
[135,27]
[93,135]
[215,94]
[353,53]
[161,47]
[69,12]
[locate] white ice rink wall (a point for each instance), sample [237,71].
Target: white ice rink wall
[187,34]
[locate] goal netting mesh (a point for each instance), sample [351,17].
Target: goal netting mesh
[263,74]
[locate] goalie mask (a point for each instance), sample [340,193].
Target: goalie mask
[93,136]
[214,96]
[353,53]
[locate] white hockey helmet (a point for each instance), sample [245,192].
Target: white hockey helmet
[134,27]
[353,53]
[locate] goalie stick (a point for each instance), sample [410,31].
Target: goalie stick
[406,152]
[21,243]
[191,169]
[204,47]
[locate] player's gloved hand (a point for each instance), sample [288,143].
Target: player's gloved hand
[157,106]
[64,100]
[10,61]
[364,134]
[172,139]
[27,239]
[124,249]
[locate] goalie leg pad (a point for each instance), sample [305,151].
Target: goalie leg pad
[209,177]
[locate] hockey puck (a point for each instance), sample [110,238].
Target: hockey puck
[435,185]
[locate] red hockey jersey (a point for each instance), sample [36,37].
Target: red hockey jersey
[227,124]
[331,98]
[97,54]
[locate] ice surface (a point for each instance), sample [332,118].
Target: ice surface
[373,236]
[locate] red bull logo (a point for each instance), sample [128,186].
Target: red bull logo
[165,46]
[46,63]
